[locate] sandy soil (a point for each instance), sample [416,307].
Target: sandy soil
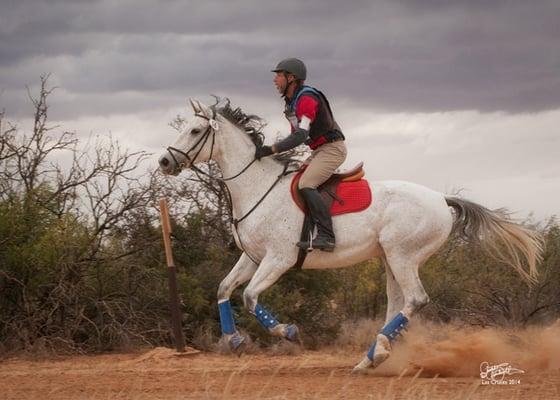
[161,374]
[429,362]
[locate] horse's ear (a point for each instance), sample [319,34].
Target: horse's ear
[194,106]
[206,111]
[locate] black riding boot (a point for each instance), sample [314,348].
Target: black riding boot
[322,218]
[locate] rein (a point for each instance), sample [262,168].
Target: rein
[211,130]
[284,173]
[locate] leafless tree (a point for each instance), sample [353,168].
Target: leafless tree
[93,196]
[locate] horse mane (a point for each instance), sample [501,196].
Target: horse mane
[253,126]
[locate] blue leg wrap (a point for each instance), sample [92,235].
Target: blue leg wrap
[392,330]
[371,351]
[226,318]
[395,326]
[265,318]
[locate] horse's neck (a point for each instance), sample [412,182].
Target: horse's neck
[236,152]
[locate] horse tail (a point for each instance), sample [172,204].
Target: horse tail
[500,237]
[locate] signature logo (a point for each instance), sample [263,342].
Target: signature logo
[496,374]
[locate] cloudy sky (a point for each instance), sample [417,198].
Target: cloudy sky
[448,94]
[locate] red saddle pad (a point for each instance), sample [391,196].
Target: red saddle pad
[355,196]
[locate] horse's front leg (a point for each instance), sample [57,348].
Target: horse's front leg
[243,270]
[270,269]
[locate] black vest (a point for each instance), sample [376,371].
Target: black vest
[324,123]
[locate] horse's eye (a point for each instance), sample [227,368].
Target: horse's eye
[195,131]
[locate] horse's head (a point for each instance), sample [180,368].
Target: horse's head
[195,143]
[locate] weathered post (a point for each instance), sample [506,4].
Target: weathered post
[172,278]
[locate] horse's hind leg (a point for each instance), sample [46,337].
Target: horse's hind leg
[243,270]
[270,269]
[380,350]
[395,298]
[404,290]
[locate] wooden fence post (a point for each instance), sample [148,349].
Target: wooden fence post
[172,278]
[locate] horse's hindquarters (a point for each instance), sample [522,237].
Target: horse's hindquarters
[403,217]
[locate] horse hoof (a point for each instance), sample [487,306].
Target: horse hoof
[236,343]
[292,333]
[379,359]
[362,367]
[382,350]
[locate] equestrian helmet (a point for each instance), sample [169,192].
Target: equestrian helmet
[293,66]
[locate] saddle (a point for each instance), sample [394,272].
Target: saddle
[344,192]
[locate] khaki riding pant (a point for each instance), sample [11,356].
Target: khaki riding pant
[322,163]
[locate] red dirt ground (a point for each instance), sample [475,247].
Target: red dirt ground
[160,374]
[429,362]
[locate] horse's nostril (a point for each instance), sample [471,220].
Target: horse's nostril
[164,162]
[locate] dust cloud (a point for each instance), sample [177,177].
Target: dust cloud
[453,351]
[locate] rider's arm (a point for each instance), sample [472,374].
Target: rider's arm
[306,110]
[298,136]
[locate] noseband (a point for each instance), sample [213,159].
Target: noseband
[211,130]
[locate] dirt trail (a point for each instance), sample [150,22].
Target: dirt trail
[159,374]
[430,364]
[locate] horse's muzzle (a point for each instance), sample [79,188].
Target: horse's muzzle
[168,166]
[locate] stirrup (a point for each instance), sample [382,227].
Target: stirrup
[309,246]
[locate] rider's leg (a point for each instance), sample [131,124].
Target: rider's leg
[321,165]
[321,216]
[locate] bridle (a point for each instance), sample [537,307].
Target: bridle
[211,131]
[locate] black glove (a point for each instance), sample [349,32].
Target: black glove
[263,151]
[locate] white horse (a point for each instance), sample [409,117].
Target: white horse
[405,224]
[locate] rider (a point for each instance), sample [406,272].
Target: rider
[312,123]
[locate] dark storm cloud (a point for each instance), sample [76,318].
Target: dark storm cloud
[391,55]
